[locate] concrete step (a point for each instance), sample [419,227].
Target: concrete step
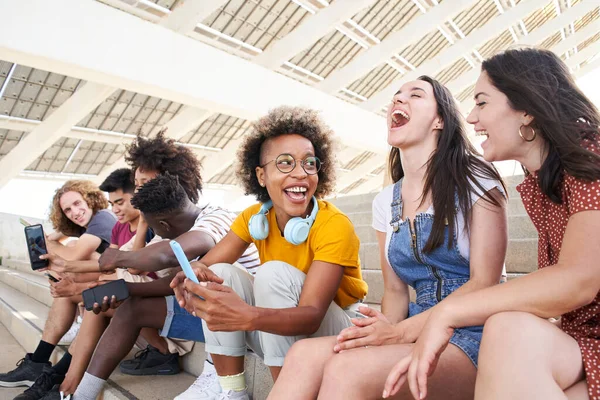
[521,256]
[521,227]
[366,233]
[32,284]
[515,206]
[369,256]
[361,218]
[17,264]
[513,180]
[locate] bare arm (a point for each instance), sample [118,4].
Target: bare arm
[159,255]
[570,284]
[157,288]
[85,246]
[394,304]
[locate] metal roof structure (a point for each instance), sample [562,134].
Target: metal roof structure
[86,76]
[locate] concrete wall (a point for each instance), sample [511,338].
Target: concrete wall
[12,238]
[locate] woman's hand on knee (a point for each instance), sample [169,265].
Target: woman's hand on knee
[375,330]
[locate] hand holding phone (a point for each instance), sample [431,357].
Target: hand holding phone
[185,264]
[97,294]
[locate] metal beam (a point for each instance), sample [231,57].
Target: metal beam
[73,110]
[62,39]
[583,55]
[449,55]
[534,38]
[187,14]
[310,31]
[393,43]
[93,135]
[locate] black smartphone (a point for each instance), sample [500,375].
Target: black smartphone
[116,288]
[52,278]
[36,246]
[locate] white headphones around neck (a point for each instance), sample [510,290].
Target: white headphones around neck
[296,230]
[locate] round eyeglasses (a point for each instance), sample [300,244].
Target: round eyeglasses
[286,163]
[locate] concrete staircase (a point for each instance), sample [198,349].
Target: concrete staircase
[25,301]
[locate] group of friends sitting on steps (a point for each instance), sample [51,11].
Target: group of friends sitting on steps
[283,278]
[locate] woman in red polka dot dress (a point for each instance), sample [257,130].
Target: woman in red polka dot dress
[530,110]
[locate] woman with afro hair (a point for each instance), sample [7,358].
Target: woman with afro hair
[309,282]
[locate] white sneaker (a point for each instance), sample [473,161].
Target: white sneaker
[206,387]
[233,395]
[71,333]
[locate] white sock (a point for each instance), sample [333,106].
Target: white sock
[237,383]
[89,388]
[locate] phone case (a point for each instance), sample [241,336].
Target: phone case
[116,288]
[185,264]
[36,246]
[183,261]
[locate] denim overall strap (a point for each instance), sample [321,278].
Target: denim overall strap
[396,206]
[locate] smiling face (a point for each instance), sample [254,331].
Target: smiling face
[121,206]
[494,119]
[412,115]
[75,208]
[291,193]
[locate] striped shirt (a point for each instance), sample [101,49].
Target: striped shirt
[215,222]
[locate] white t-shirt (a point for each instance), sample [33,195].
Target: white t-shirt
[382,215]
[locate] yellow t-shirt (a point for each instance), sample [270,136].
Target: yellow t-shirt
[331,239]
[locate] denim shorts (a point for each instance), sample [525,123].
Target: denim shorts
[467,339]
[180,324]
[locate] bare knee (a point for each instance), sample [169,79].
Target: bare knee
[504,327]
[299,353]
[341,367]
[128,312]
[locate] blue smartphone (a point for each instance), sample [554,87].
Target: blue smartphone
[183,261]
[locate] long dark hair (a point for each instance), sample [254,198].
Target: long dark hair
[538,82]
[453,170]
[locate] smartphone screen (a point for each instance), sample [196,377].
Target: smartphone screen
[36,246]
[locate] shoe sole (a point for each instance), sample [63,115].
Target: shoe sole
[16,384]
[151,371]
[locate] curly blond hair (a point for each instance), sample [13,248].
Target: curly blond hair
[286,120]
[92,195]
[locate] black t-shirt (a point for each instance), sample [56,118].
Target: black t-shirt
[101,226]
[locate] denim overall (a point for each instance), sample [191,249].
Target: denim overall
[433,275]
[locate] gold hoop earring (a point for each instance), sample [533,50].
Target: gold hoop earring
[523,136]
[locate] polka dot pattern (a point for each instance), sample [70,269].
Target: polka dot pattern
[550,220]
